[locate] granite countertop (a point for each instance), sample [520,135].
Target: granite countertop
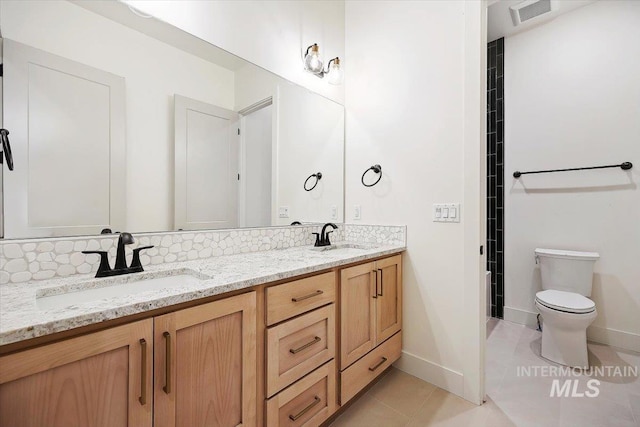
[25,315]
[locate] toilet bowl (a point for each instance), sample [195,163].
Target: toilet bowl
[567,279]
[564,326]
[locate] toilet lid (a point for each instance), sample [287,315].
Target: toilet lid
[565,301]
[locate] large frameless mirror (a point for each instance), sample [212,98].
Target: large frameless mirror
[119,121]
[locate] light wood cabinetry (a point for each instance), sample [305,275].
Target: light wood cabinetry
[370,314]
[299,296]
[205,364]
[300,351]
[296,347]
[192,367]
[371,301]
[264,357]
[358,312]
[308,402]
[365,370]
[388,297]
[97,380]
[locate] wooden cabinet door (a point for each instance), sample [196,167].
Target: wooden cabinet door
[357,312]
[389,297]
[205,365]
[102,379]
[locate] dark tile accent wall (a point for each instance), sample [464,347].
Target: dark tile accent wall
[495,174]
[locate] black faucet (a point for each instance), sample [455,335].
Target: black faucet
[105,270]
[322,238]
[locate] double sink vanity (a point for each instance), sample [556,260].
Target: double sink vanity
[271,338]
[237,318]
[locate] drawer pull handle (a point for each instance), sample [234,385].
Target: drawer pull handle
[315,294]
[167,363]
[375,281]
[316,400]
[143,372]
[377,365]
[380,294]
[307,345]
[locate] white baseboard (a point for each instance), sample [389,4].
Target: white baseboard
[523,317]
[612,337]
[433,373]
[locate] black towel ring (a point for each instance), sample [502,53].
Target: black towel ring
[376,169]
[317,176]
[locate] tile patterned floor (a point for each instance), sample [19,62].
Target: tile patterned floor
[400,399]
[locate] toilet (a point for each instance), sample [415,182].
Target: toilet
[567,278]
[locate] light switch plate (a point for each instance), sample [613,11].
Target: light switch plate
[334,212]
[283,212]
[357,212]
[446,212]
[454,212]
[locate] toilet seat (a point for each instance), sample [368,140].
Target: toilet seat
[569,302]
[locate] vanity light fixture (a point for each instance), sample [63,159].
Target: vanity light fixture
[334,71]
[312,60]
[313,64]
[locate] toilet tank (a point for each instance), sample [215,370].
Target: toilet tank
[568,271]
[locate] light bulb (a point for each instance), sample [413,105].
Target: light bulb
[335,72]
[312,61]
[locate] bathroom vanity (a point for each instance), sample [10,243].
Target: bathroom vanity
[287,348]
[236,320]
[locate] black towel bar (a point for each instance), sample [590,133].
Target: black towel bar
[624,166]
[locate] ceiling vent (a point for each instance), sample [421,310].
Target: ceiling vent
[523,12]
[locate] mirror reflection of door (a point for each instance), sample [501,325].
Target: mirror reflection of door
[206,165]
[256,165]
[68,137]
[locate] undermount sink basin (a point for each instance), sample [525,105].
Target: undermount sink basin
[118,286]
[339,246]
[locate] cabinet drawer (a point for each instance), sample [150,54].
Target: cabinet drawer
[308,402]
[365,370]
[293,298]
[297,347]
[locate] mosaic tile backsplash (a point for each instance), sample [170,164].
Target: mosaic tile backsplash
[41,259]
[381,234]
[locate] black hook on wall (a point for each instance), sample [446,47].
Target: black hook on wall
[317,176]
[6,149]
[375,168]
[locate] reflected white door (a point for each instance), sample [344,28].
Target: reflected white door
[68,140]
[206,165]
[256,175]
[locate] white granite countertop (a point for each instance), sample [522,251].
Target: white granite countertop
[26,314]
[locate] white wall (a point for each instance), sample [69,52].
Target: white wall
[271,34]
[572,93]
[150,86]
[405,103]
